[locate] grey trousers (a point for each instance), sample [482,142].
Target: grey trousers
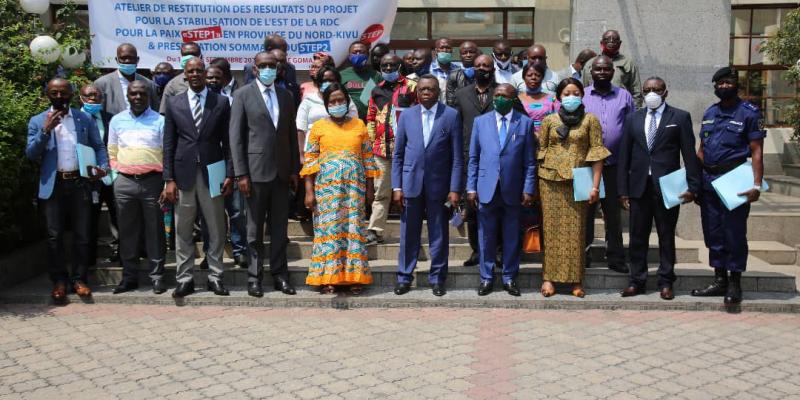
[213,210]
[268,201]
[138,213]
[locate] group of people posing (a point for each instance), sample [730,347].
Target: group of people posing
[426,133]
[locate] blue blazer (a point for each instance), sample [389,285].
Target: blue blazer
[438,168]
[512,165]
[41,147]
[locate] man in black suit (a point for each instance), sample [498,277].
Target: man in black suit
[266,162]
[195,136]
[273,42]
[653,140]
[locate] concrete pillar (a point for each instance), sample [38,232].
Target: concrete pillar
[682,41]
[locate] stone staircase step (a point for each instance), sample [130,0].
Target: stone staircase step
[37,292]
[792,170]
[690,276]
[784,184]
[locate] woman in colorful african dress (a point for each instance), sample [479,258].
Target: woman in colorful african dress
[568,139]
[339,169]
[537,102]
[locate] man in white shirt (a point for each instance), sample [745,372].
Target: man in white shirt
[504,69]
[537,55]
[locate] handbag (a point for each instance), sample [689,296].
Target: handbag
[532,239]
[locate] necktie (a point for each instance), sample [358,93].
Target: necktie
[197,112]
[503,132]
[426,126]
[651,130]
[268,96]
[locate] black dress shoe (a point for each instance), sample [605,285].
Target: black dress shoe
[621,268]
[667,293]
[717,288]
[511,288]
[159,286]
[402,288]
[733,295]
[217,287]
[439,290]
[254,289]
[183,289]
[473,260]
[632,290]
[485,288]
[240,260]
[124,287]
[284,286]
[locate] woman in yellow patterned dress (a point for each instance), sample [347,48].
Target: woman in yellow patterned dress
[338,172]
[568,139]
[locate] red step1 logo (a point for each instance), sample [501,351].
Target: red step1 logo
[196,35]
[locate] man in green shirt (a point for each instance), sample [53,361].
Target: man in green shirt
[626,73]
[360,78]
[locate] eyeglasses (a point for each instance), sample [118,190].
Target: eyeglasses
[611,40]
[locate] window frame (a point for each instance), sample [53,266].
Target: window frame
[430,41]
[761,101]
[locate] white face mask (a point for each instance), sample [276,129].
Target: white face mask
[653,100]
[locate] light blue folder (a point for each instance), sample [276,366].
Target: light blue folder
[582,183]
[737,181]
[86,158]
[672,186]
[216,175]
[367,92]
[109,179]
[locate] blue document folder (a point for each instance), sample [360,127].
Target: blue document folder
[109,179]
[737,181]
[367,92]
[86,158]
[216,175]
[582,183]
[672,186]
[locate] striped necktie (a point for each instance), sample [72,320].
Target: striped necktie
[651,130]
[197,112]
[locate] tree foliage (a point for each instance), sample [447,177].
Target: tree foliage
[784,49]
[22,80]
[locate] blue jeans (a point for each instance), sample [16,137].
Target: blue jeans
[234,205]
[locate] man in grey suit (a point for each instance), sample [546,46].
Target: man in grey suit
[113,97]
[263,139]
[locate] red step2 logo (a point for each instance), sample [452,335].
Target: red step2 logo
[196,35]
[372,33]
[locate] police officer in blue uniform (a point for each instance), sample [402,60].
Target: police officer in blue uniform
[732,130]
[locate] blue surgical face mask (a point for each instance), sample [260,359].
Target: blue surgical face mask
[267,75]
[324,86]
[571,103]
[185,59]
[358,60]
[337,111]
[469,72]
[92,108]
[533,91]
[391,76]
[161,79]
[127,69]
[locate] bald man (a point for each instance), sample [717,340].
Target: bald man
[114,85]
[537,55]
[626,73]
[64,194]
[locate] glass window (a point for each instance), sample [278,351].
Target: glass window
[410,25]
[740,51]
[765,22]
[740,22]
[520,25]
[467,24]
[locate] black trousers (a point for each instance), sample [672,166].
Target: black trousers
[106,196]
[643,210]
[70,205]
[268,202]
[612,213]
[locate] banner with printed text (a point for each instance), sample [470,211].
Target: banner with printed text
[235,29]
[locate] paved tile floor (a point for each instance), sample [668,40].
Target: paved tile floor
[106,351]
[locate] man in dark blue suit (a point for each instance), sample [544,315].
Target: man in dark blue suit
[427,169]
[53,139]
[501,178]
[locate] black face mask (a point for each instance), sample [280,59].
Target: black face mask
[60,104]
[726,93]
[214,87]
[483,77]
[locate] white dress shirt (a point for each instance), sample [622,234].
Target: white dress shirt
[66,143]
[227,91]
[274,111]
[430,121]
[124,82]
[193,98]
